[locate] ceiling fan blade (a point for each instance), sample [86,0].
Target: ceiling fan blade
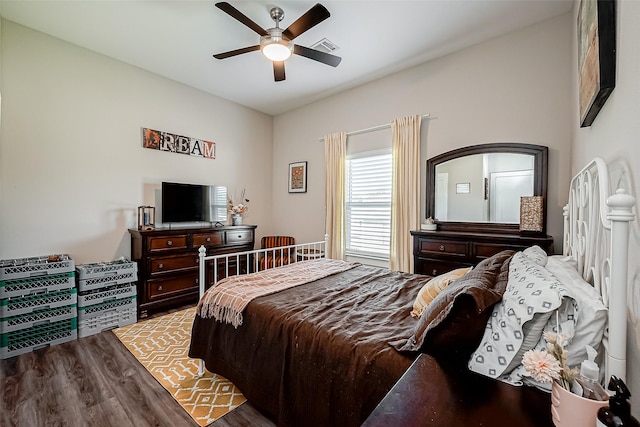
[231,53]
[310,19]
[316,55]
[235,13]
[278,71]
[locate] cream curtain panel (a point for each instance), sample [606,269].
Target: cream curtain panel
[405,190]
[335,151]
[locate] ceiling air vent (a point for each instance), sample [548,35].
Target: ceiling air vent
[325,46]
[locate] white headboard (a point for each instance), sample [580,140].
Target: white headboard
[596,234]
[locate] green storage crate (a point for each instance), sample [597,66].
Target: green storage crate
[37,337]
[31,285]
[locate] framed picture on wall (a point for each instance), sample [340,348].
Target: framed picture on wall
[596,56]
[298,177]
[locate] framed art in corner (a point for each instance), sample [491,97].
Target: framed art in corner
[298,177]
[596,56]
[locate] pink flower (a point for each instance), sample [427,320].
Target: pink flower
[541,365]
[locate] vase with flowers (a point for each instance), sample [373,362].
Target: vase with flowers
[238,209]
[567,408]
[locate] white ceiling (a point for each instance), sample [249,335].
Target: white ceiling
[176,39]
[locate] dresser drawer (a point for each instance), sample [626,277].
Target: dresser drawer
[164,244]
[486,250]
[169,264]
[239,237]
[442,247]
[436,267]
[170,287]
[207,239]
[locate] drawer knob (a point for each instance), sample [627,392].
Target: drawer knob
[196,281]
[160,265]
[159,287]
[434,272]
[197,260]
[208,239]
[239,236]
[442,247]
[169,242]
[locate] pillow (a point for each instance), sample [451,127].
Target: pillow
[532,331]
[591,313]
[563,317]
[454,322]
[537,255]
[433,287]
[531,289]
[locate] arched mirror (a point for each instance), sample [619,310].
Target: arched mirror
[478,188]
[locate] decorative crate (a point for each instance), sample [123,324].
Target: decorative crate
[36,266]
[37,337]
[31,285]
[99,296]
[37,318]
[96,318]
[33,302]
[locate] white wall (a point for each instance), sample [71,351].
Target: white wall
[615,136]
[72,166]
[515,88]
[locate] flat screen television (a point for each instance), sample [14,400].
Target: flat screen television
[193,203]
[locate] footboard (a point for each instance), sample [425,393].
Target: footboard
[246,262]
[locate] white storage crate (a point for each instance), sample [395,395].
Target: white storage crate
[36,266]
[31,285]
[108,315]
[106,294]
[37,318]
[37,337]
[34,302]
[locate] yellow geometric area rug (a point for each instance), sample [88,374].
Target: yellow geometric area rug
[161,345]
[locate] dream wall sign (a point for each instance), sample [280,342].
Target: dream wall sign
[165,141]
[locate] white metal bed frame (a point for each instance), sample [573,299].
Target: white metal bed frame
[596,235]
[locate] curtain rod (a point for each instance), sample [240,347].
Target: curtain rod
[372,129]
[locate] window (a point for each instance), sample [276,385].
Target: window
[368,204]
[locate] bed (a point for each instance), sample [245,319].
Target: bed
[328,351]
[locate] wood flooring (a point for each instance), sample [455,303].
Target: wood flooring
[94,381]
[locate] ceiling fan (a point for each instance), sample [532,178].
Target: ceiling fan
[277,44]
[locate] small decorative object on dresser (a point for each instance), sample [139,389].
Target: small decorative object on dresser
[238,209]
[429,225]
[531,214]
[146,218]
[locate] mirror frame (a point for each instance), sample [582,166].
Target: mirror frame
[540,170]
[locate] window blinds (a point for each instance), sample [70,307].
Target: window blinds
[368,205]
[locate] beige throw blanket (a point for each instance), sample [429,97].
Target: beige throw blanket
[227,300]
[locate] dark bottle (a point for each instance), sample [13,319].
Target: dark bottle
[618,413]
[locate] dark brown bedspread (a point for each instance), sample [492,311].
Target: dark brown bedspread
[317,354]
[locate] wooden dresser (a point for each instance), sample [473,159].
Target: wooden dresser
[436,252]
[436,394]
[168,261]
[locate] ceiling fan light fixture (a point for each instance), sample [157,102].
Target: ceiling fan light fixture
[276,48]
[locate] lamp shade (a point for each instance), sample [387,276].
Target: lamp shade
[276,48]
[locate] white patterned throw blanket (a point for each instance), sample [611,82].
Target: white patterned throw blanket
[227,299]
